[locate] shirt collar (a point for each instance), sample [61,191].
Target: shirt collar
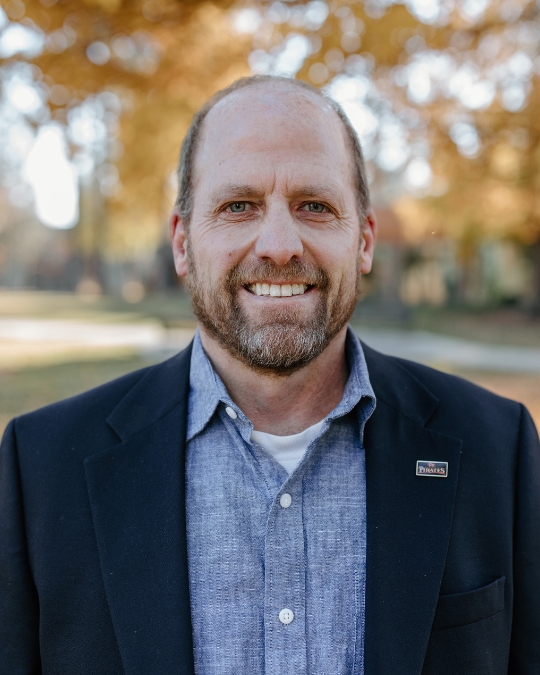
[358,385]
[207,390]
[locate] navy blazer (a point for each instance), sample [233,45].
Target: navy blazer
[93,559]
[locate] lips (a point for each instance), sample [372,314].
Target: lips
[277,290]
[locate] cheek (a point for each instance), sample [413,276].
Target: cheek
[339,256]
[213,259]
[344,274]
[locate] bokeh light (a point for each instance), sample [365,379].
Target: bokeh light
[53,179]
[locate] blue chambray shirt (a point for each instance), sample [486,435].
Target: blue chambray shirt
[249,557]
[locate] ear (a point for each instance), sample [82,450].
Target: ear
[178,240]
[369,237]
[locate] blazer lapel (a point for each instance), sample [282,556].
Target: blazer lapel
[137,496]
[408,519]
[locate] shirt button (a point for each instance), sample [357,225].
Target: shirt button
[230,412]
[285,501]
[286,616]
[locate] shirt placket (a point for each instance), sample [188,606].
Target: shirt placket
[285,584]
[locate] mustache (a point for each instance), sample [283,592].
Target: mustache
[263,271]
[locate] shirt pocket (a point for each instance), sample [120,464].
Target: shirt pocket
[461,609]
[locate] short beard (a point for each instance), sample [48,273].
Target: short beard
[284,343]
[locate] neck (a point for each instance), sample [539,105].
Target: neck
[283,404]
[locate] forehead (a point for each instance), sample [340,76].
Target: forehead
[273,127]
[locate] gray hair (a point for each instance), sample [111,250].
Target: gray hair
[184,200]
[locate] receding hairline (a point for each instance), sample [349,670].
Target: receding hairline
[263,82]
[323,102]
[282,85]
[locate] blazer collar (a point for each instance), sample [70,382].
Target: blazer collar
[157,393]
[166,385]
[409,518]
[398,388]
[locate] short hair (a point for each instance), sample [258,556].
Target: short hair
[186,164]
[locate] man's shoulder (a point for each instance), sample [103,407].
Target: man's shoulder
[458,400]
[86,414]
[95,401]
[445,385]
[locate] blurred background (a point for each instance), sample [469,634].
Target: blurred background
[96,95]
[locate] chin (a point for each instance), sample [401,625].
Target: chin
[269,313]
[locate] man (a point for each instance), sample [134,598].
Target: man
[278,498]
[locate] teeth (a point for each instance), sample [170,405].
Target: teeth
[277,290]
[286,289]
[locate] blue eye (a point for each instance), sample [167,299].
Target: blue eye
[237,207]
[316,207]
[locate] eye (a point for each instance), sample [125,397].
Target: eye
[316,207]
[237,207]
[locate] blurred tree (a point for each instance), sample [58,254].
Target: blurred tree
[125,77]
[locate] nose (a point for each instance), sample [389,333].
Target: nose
[278,239]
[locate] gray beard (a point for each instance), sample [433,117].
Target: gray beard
[283,343]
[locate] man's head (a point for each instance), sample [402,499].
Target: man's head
[272,198]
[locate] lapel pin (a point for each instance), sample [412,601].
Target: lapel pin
[428,468]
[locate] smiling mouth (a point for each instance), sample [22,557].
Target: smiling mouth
[277,290]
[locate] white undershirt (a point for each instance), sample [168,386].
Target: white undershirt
[287,450]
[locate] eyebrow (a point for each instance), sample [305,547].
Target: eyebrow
[323,191]
[239,191]
[236,191]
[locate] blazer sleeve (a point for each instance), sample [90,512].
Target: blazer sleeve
[525,645]
[19,610]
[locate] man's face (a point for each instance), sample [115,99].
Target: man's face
[274,252]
